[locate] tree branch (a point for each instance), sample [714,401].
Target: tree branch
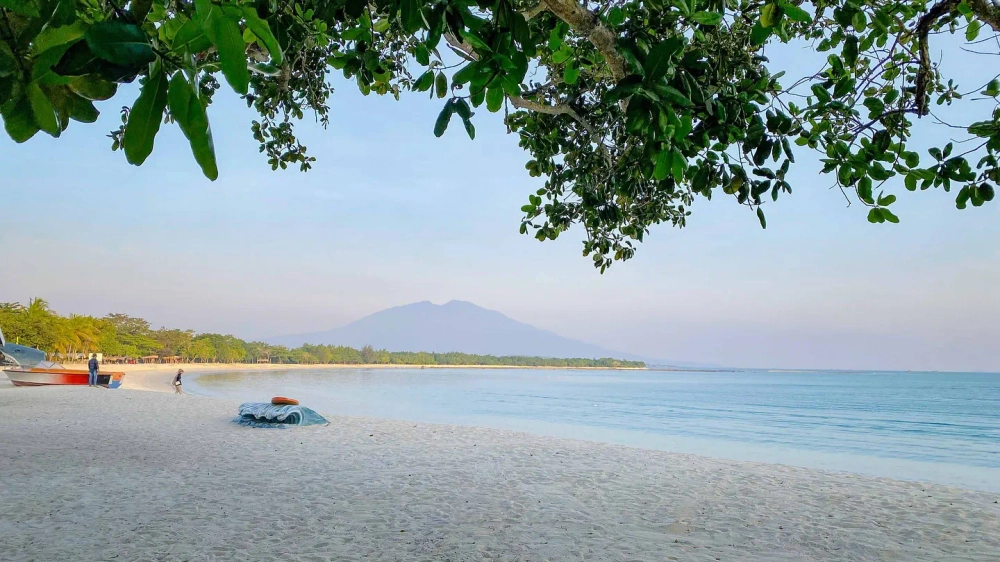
[989,13]
[587,24]
[534,10]
[465,49]
[923,29]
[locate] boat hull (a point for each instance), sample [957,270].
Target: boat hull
[61,377]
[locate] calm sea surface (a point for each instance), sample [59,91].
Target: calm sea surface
[940,427]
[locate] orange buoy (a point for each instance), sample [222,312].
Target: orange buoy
[282,401]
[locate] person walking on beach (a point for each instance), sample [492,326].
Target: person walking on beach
[177,381]
[92,366]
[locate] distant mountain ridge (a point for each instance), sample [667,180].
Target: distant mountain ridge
[454,326]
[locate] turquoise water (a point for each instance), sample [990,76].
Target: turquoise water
[940,427]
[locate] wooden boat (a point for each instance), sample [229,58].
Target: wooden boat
[43,376]
[26,366]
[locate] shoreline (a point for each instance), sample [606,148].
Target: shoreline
[157,377]
[146,475]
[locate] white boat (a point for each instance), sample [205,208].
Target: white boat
[27,366]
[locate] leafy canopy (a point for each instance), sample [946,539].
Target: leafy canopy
[629,109]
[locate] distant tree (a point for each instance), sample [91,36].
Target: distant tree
[172,342]
[37,325]
[201,350]
[368,355]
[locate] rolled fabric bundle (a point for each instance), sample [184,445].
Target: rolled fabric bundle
[263,414]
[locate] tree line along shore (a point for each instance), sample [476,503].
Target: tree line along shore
[121,338]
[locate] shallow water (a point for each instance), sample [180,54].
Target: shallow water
[940,427]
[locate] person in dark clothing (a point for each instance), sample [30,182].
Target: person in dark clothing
[92,366]
[177,381]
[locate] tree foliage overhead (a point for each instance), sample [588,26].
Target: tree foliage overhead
[629,109]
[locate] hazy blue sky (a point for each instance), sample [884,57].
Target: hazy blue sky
[391,215]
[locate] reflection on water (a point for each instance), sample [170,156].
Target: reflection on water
[943,427]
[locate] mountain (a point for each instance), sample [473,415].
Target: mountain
[455,326]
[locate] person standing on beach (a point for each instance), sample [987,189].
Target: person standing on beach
[177,381]
[92,366]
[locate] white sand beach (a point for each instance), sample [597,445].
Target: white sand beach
[93,474]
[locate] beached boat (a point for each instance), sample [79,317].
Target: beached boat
[26,366]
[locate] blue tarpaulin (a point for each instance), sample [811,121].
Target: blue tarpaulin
[265,414]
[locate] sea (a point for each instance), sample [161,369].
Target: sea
[936,427]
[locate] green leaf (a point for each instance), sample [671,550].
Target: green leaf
[859,21]
[463,109]
[78,60]
[19,121]
[850,51]
[875,215]
[81,109]
[465,74]
[992,89]
[674,95]
[8,65]
[889,216]
[972,31]
[189,113]
[21,7]
[140,9]
[886,200]
[41,107]
[121,43]
[562,55]
[820,92]
[963,197]
[421,53]
[93,88]
[678,165]
[663,163]
[425,82]
[844,87]
[191,37]
[52,37]
[225,34]
[469,128]
[794,12]
[264,68]
[865,190]
[441,84]
[441,125]
[616,16]
[262,30]
[494,99]
[355,8]
[707,18]
[145,117]
[409,16]
[986,192]
[6,89]
[760,217]
[571,74]
[911,182]
[770,15]
[759,34]
[658,61]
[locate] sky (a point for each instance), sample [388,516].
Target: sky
[391,215]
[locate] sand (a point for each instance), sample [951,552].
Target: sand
[95,474]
